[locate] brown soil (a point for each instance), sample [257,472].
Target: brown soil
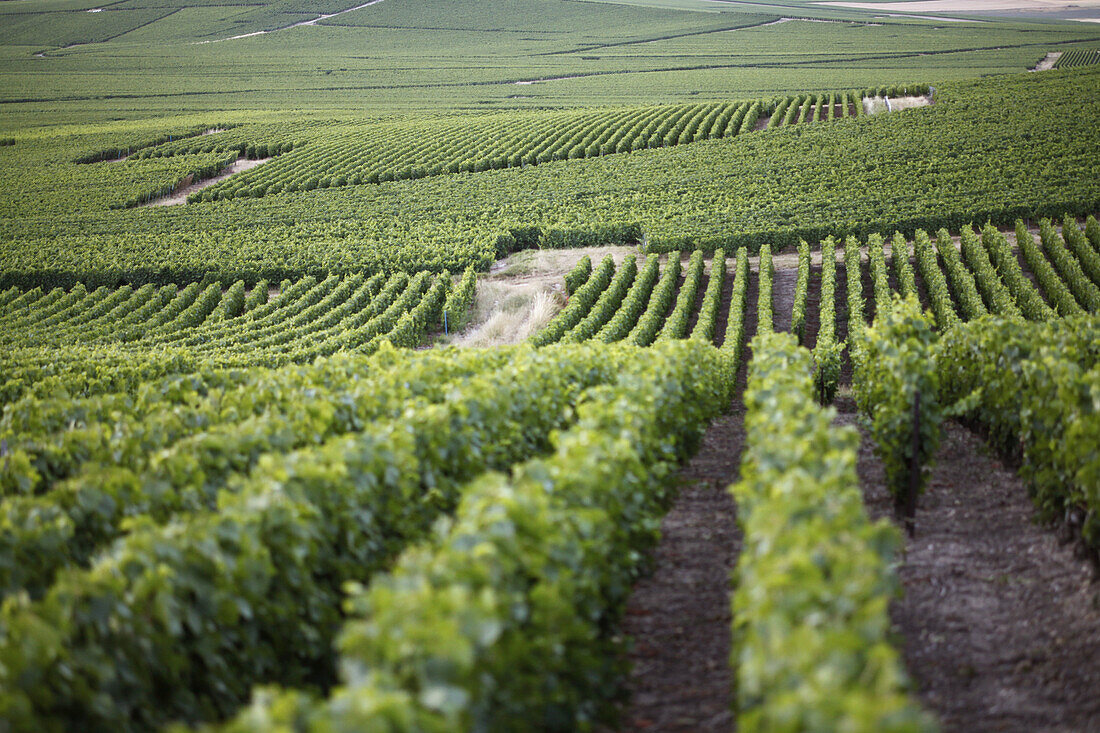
[679,617]
[999,619]
[783,297]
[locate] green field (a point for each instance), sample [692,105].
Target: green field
[433,365]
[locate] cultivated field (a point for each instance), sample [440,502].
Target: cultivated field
[626,365]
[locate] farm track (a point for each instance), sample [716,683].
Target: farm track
[842,320]
[999,619]
[300,24]
[653,39]
[679,616]
[1048,62]
[179,196]
[783,283]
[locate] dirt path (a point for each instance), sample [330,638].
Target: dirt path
[181,194]
[679,617]
[783,284]
[527,82]
[522,292]
[1048,62]
[1000,622]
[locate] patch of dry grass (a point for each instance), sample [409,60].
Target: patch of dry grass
[506,313]
[875,105]
[513,319]
[521,293]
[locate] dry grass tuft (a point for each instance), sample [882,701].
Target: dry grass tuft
[509,314]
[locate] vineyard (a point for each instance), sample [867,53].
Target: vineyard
[333,156]
[417,366]
[60,229]
[1077,57]
[201,389]
[376,154]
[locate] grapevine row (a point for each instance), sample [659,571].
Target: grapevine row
[1032,386]
[827,351]
[1069,269]
[520,650]
[607,304]
[258,581]
[364,154]
[995,295]
[801,293]
[307,319]
[880,280]
[635,302]
[676,325]
[960,279]
[650,322]
[712,299]
[734,340]
[896,387]
[811,646]
[934,281]
[1055,290]
[902,267]
[1027,298]
[1077,57]
[764,293]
